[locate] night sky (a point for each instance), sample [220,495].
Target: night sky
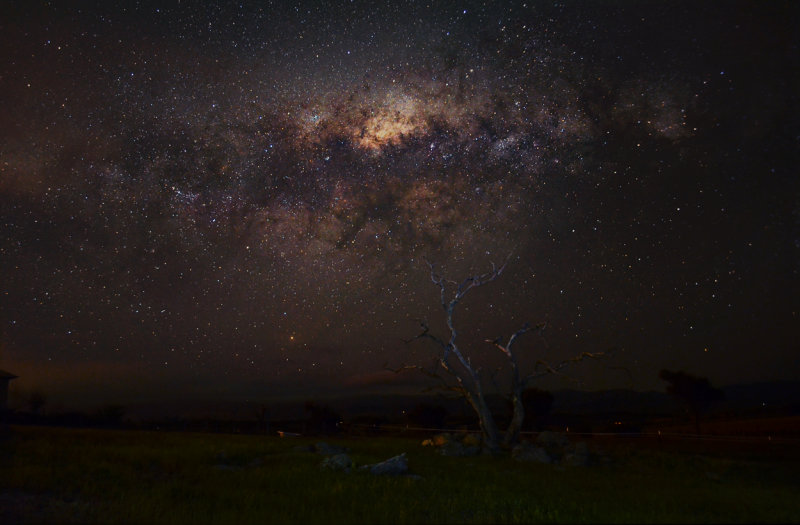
[234,199]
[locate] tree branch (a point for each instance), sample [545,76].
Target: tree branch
[444,384]
[556,369]
[426,334]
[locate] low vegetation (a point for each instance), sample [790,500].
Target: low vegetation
[113,476]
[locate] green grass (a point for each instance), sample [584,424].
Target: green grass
[60,475]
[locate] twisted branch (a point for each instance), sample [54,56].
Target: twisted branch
[556,369]
[430,373]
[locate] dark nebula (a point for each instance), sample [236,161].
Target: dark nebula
[236,198]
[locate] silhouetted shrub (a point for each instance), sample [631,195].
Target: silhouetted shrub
[696,392]
[322,419]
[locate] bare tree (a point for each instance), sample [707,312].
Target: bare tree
[696,392]
[466,378]
[36,401]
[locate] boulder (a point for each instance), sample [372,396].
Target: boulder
[394,466]
[550,439]
[554,443]
[577,456]
[458,449]
[530,452]
[442,439]
[427,443]
[337,462]
[471,440]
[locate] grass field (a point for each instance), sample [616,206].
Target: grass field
[105,476]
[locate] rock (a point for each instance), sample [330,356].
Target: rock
[457,449]
[578,456]
[549,440]
[329,450]
[337,462]
[554,443]
[394,466]
[427,443]
[530,452]
[451,448]
[471,440]
[442,439]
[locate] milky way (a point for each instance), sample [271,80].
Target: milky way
[241,196]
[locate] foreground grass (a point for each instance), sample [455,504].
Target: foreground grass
[60,475]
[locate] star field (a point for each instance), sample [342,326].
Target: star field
[239,197]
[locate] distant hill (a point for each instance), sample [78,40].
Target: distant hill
[780,396]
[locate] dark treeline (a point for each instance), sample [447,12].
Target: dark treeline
[618,411]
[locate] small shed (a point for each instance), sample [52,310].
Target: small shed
[5,378]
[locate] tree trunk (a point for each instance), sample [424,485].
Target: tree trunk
[518,417]
[486,420]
